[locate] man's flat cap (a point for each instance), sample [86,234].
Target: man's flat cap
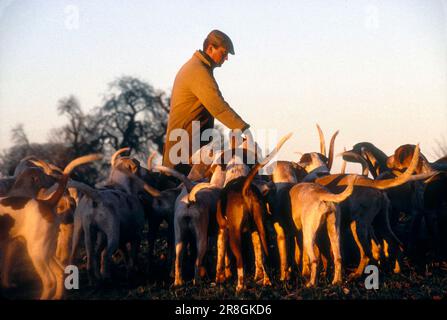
[219,39]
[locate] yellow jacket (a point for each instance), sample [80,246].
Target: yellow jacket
[196,96]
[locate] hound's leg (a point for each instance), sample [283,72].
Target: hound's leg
[181,228]
[375,245]
[77,232]
[221,254]
[228,273]
[113,238]
[297,254]
[201,244]
[8,248]
[282,248]
[64,243]
[171,248]
[91,256]
[41,266]
[322,257]
[306,263]
[179,245]
[235,245]
[154,225]
[100,249]
[260,274]
[360,237]
[58,272]
[333,229]
[308,246]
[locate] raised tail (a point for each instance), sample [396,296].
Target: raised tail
[57,195]
[116,154]
[171,172]
[340,196]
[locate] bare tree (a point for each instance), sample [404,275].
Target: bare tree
[134,115]
[18,135]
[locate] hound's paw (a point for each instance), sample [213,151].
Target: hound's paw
[266,282]
[285,276]
[336,282]
[353,276]
[306,272]
[240,288]
[178,283]
[259,275]
[396,267]
[220,278]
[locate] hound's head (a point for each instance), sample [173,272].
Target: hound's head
[401,159]
[127,164]
[34,162]
[312,161]
[30,182]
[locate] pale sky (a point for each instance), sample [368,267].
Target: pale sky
[375,70]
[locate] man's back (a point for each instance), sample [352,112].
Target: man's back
[196,97]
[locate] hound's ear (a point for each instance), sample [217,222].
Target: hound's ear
[135,168]
[15,203]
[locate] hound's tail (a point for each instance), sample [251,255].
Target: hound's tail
[57,195]
[387,207]
[171,172]
[150,159]
[331,197]
[116,154]
[195,190]
[90,192]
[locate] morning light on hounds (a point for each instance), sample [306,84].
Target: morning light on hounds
[223,151]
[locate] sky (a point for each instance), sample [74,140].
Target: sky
[375,70]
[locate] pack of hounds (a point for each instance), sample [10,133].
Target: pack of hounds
[297,220]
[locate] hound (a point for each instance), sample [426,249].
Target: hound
[431,197]
[311,206]
[36,220]
[368,206]
[285,175]
[161,206]
[241,208]
[194,212]
[113,216]
[416,199]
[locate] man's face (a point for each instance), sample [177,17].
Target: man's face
[219,55]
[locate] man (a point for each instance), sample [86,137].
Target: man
[196,97]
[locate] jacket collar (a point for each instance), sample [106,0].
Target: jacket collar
[205,59]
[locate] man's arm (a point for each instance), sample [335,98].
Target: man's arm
[206,89]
